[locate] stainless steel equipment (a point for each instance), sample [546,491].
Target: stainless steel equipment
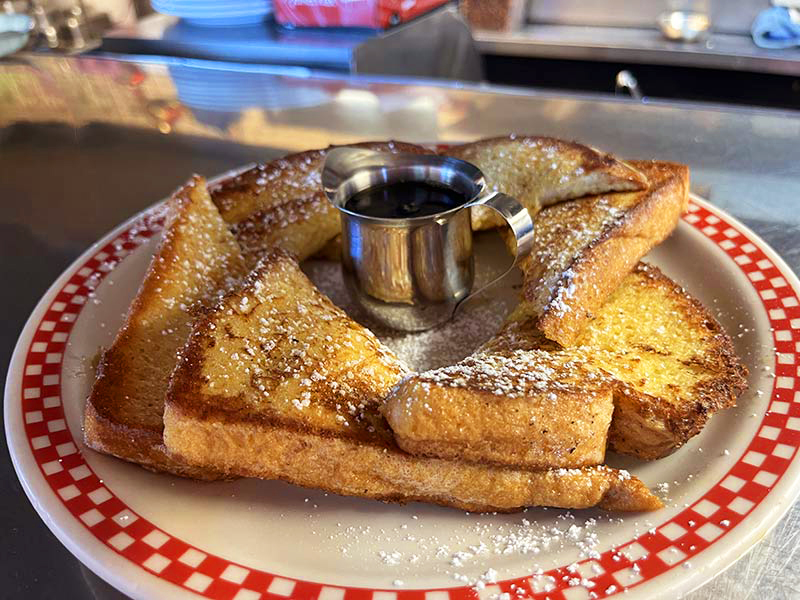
[626,82]
[62,27]
[413,273]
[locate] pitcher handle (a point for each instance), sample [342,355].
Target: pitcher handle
[521,223]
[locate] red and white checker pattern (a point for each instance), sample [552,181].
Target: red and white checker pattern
[666,547]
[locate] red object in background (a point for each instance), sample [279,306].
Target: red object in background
[377,14]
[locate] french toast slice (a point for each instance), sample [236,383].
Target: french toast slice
[281,203]
[538,171]
[671,371]
[278,383]
[196,260]
[529,409]
[584,248]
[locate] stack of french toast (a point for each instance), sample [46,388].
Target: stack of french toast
[232,363]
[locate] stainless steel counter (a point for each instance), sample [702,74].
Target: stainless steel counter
[638,45]
[85,143]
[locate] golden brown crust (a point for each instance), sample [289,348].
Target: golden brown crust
[383,472]
[538,171]
[584,249]
[589,158]
[139,445]
[196,257]
[645,425]
[272,346]
[528,409]
[302,227]
[267,185]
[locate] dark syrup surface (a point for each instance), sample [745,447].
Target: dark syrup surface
[404,200]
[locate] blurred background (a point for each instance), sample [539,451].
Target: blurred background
[730,51]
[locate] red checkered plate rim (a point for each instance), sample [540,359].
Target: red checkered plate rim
[140,557]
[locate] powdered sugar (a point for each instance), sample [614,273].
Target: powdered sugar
[479,552]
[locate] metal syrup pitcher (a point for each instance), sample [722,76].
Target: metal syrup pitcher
[413,273]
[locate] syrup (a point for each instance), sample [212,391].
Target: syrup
[404,200]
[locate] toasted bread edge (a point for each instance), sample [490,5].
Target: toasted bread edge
[344,467]
[104,429]
[615,253]
[649,428]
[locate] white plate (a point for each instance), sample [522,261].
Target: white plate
[216,13]
[231,91]
[155,535]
